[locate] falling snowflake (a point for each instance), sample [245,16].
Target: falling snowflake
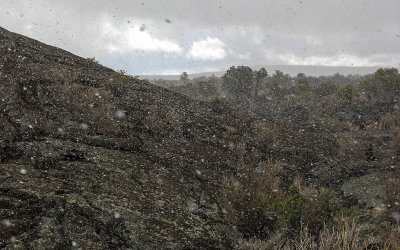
[120,114]
[84,126]
[192,206]
[6,223]
[396,217]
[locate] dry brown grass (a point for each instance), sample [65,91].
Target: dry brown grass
[392,191]
[344,235]
[392,238]
[389,121]
[386,162]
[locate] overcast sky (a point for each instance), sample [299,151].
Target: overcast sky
[164,37]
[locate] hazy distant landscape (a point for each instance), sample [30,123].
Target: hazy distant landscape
[292,70]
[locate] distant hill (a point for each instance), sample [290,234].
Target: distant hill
[292,70]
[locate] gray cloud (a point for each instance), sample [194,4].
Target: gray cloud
[329,32]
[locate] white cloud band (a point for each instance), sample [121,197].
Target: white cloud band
[136,38]
[210,49]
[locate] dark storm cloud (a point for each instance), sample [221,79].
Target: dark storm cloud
[214,33]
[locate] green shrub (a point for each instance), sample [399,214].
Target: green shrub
[289,210]
[247,199]
[256,204]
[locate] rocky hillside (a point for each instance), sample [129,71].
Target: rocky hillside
[94,159]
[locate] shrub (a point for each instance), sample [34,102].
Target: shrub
[255,203]
[320,207]
[247,198]
[326,89]
[289,209]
